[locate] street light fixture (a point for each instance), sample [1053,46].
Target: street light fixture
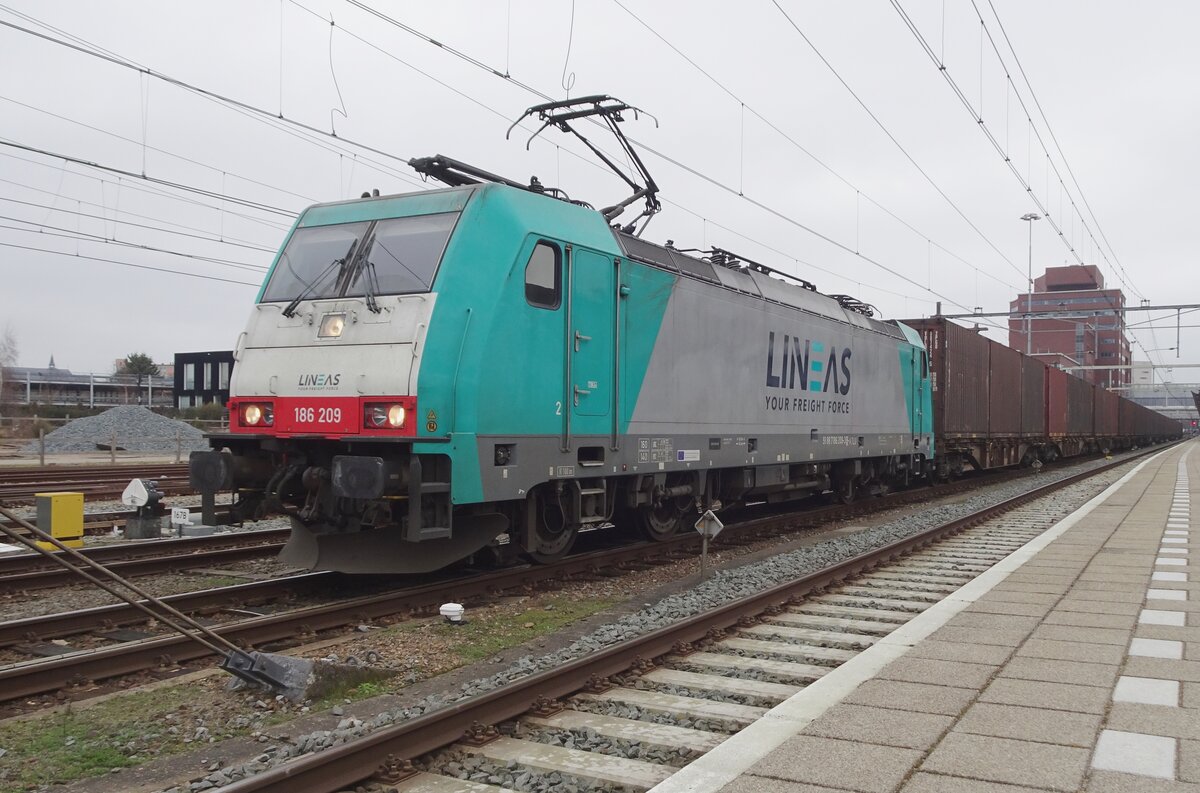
[1029,217]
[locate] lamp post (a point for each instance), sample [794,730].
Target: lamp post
[1029,217]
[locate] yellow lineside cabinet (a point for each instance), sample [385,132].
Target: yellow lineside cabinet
[61,516]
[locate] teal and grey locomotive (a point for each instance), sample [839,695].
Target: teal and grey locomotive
[493,366]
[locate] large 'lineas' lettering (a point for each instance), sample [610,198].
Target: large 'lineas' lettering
[817,371]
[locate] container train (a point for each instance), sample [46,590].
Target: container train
[493,368]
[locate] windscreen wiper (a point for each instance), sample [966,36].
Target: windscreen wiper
[290,310]
[370,277]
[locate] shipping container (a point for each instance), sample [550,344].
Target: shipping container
[1126,419]
[1106,419]
[1033,398]
[1056,402]
[958,360]
[1004,392]
[1080,400]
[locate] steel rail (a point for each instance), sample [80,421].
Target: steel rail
[347,764]
[32,580]
[108,554]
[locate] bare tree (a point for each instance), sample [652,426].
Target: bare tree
[8,353]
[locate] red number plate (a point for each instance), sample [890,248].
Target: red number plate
[317,415]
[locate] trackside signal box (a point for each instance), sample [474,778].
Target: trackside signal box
[61,516]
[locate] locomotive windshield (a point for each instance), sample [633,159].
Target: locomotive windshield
[383,257]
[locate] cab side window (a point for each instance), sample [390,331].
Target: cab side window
[543,276]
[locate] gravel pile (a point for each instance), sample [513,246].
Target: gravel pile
[137,429]
[722,587]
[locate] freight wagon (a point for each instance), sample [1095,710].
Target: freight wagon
[995,407]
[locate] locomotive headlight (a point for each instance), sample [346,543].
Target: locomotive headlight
[331,326]
[385,415]
[255,414]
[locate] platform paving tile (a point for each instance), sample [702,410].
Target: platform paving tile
[1004,607]
[925,782]
[957,651]
[1154,720]
[881,726]
[916,697]
[1189,760]
[1135,753]
[1146,690]
[1170,632]
[938,672]
[1030,724]
[1088,588]
[1114,782]
[951,633]
[1072,651]
[847,764]
[1164,668]
[1067,633]
[1083,619]
[759,784]
[1058,671]
[1002,622]
[1010,761]
[1098,597]
[1016,596]
[1126,608]
[1106,576]
[1040,694]
[1009,586]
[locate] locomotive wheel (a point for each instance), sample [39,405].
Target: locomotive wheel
[846,492]
[551,546]
[552,536]
[659,522]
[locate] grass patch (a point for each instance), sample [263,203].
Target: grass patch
[76,744]
[484,635]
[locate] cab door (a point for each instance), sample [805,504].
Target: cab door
[590,341]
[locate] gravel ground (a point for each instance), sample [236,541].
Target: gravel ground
[136,429]
[723,586]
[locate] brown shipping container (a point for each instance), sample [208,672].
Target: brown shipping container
[1056,401]
[1033,398]
[1125,418]
[1004,378]
[958,365]
[1105,417]
[965,395]
[1080,401]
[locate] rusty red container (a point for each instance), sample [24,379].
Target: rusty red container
[1005,392]
[1105,414]
[1033,398]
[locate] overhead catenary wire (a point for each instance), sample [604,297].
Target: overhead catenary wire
[226,240]
[800,147]
[651,150]
[169,271]
[125,63]
[1054,138]
[72,234]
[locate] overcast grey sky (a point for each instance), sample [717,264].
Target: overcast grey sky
[764,108]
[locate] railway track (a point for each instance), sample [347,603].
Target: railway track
[18,485]
[104,647]
[631,714]
[28,572]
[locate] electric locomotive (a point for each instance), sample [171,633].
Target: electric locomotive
[495,367]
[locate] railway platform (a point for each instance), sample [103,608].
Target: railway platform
[1072,665]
